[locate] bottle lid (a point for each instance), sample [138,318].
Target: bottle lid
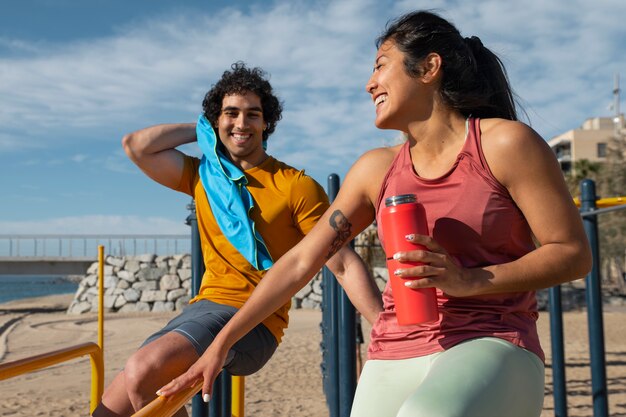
[395,200]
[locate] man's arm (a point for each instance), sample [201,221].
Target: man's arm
[153,150]
[353,275]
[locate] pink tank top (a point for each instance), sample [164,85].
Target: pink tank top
[475,219]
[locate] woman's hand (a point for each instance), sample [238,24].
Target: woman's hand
[206,368]
[440,269]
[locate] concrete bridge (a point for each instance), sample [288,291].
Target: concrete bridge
[39,265]
[70,254]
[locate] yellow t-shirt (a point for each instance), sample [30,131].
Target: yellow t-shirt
[287,204]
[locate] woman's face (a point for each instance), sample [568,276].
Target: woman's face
[396,95]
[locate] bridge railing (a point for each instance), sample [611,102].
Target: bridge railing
[77,246]
[95,351]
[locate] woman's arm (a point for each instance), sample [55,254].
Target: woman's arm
[522,162]
[352,210]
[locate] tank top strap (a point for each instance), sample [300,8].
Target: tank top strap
[472,147]
[400,163]
[403,159]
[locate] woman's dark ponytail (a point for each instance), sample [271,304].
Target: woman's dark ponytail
[492,81]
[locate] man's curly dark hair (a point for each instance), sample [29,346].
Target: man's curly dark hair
[239,80]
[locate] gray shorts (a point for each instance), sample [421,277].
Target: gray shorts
[201,321]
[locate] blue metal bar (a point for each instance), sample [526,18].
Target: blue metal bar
[347,353]
[332,292]
[346,333]
[594,304]
[325,344]
[332,363]
[198,407]
[342,363]
[558,352]
[215,405]
[226,397]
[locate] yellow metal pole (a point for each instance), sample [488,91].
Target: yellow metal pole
[605,202]
[101,297]
[166,407]
[97,378]
[610,202]
[44,360]
[238,396]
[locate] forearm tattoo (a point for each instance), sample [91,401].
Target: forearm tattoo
[342,226]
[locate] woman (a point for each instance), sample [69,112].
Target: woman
[488,184]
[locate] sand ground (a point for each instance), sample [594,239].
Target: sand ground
[289,385]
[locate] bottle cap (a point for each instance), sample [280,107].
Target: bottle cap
[395,200]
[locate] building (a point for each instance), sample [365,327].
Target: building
[588,142]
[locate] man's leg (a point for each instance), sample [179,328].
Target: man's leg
[147,370]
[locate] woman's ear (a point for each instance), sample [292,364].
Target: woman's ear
[431,68]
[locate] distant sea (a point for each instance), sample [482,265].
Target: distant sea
[16,287]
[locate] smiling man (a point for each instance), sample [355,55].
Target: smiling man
[251,210]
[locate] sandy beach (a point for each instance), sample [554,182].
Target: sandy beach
[289,385]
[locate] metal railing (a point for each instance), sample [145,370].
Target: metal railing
[95,351]
[590,208]
[77,246]
[166,407]
[339,329]
[34,363]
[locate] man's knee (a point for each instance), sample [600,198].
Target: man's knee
[139,368]
[159,362]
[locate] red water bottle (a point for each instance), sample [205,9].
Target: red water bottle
[402,216]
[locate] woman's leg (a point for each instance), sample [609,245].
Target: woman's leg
[384,385]
[485,377]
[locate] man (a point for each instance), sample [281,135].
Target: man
[235,177]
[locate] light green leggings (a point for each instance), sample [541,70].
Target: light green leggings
[486,377]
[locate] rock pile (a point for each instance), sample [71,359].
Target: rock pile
[162,283]
[136,283]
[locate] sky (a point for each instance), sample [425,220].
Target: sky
[76,75]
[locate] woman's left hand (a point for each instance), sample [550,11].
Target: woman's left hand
[206,368]
[440,269]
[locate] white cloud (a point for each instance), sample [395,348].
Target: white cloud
[63,98]
[560,55]
[158,71]
[12,142]
[163,66]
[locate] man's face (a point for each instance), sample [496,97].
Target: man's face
[240,125]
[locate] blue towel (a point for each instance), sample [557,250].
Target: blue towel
[230,200]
